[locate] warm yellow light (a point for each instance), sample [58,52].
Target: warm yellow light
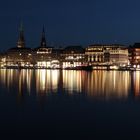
[114,67]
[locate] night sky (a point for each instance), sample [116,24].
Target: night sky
[70,22]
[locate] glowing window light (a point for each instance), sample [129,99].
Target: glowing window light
[134,66]
[42,64]
[114,67]
[3,59]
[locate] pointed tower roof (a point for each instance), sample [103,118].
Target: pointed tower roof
[21,40]
[43,39]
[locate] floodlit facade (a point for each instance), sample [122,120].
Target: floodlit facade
[134,55]
[19,56]
[95,54]
[73,56]
[107,55]
[42,54]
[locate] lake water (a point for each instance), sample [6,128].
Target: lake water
[69,104]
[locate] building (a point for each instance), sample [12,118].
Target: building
[107,55]
[134,55]
[2,60]
[116,55]
[19,56]
[45,56]
[73,56]
[95,54]
[56,57]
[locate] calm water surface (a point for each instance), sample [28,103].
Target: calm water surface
[56,104]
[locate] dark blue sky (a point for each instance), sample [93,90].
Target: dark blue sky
[70,22]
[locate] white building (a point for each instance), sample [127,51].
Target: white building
[107,55]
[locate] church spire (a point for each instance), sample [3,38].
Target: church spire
[21,41]
[43,39]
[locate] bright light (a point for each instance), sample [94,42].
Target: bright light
[3,59]
[134,66]
[41,64]
[114,67]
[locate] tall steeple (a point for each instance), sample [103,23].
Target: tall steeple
[21,41]
[43,39]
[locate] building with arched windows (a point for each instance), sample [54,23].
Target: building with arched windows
[107,55]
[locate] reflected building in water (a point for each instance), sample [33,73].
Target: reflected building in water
[15,80]
[96,84]
[136,83]
[108,84]
[72,81]
[46,81]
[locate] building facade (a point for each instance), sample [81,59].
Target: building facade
[107,55]
[20,56]
[95,54]
[73,56]
[43,54]
[134,55]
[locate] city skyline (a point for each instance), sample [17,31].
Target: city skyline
[71,22]
[43,33]
[69,69]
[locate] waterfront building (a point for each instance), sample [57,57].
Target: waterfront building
[107,55]
[118,55]
[95,54]
[73,56]
[56,57]
[19,56]
[44,55]
[134,55]
[2,60]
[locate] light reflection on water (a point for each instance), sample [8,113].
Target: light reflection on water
[102,84]
[72,81]
[46,80]
[136,83]
[108,84]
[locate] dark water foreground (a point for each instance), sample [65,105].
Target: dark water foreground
[53,104]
